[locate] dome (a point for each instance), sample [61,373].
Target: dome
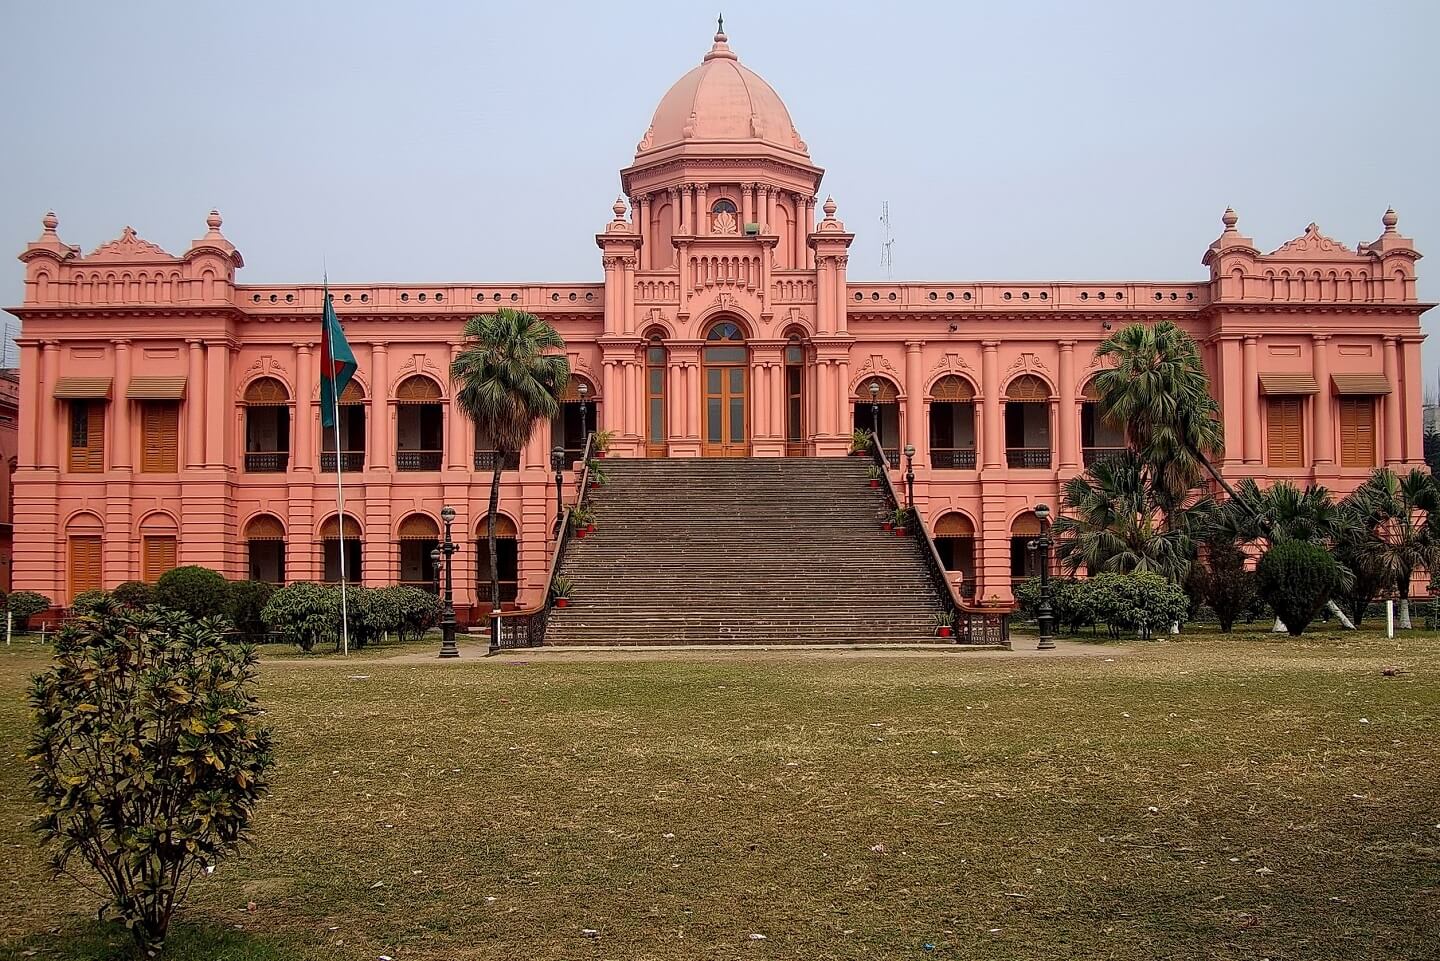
[721,102]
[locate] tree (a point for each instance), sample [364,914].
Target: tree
[1402,514]
[1296,579]
[24,605]
[1221,580]
[305,613]
[505,379]
[245,603]
[1432,450]
[419,609]
[1118,520]
[148,756]
[1141,602]
[198,591]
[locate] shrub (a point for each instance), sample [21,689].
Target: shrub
[134,594]
[419,610]
[148,757]
[305,613]
[245,603]
[87,601]
[24,605]
[198,591]
[1069,601]
[371,612]
[1223,583]
[1297,578]
[1143,603]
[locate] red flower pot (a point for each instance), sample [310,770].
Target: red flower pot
[590,527]
[580,532]
[600,454]
[887,525]
[943,631]
[565,602]
[874,482]
[899,532]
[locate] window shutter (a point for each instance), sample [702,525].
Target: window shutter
[1357,432]
[84,564]
[158,556]
[160,437]
[1284,442]
[87,436]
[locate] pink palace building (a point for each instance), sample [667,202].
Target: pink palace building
[170,412]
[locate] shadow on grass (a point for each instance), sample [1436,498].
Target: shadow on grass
[103,941]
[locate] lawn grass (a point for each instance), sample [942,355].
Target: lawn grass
[1242,797]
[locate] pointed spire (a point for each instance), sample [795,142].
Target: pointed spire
[1230,219]
[1390,220]
[721,50]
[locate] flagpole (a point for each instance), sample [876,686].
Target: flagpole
[340,504]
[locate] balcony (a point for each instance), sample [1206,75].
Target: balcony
[1028,458]
[267,461]
[418,460]
[952,458]
[351,461]
[485,460]
[1094,455]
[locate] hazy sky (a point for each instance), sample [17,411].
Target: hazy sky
[481,142]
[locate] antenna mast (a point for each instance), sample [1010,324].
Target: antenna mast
[887,256]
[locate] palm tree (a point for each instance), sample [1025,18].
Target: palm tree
[1117,519]
[1402,514]
[505,379]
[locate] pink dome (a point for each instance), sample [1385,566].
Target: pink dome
[721,101]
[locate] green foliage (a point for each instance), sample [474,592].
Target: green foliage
[24,605]
[859,441]
[1144,603]
[307,614]
[1221,581]
[509,374]
[581,517]
[596,473]
[198,591]
[1432,451]
[1297,579]
[561,586]
[418,609]
[1069,601]
[245,604]
[603,440]
[87,601]
[373,612]
[147,754]
[134,594]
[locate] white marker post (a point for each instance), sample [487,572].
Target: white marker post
[1390,617]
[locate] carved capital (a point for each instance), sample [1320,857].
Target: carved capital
[610,263]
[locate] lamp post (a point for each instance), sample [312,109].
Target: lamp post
[447,613]
[875,408]
[557,461]
[584,391]
[910,477]
[1044,617]
[435,563]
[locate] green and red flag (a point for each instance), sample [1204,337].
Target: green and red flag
[337,362]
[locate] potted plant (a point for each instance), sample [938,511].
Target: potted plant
[582,522]
[597,476]
[944,625]
[602,442]
[873,472]
[901,517]
[859,443]
[560,590]
[887,518]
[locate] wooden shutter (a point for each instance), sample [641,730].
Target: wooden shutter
[159,437]
[87,436]
[1357,432]
[157,556]
[1284,442]
[84,564]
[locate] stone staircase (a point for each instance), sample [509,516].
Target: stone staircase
[742,551]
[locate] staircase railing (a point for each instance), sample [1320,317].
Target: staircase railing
[973,624]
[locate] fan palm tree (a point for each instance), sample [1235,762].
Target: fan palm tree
[1402,514]
[1117,519]
[506,377]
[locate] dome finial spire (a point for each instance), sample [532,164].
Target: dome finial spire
[721,50]
[720,24]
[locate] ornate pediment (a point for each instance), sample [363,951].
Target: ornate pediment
[1312,243]
[129,247]
[1028,363]
[950,363]
[874,364]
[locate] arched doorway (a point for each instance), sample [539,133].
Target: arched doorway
[795,435]
[955,542]
[159,546]
[656,366]
[1099,438]
[507,557]
[265,539]
[952,424]
[419,425]
[727,362]
[331,544]
[887,399]
[1027,423]
[84,535]
[351,457]
[578,415]
[267,426]
[1024,560]
[418,536]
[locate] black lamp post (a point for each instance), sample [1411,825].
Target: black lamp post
[435,563]
[584,391]
[557,461]
[910,477]
[1045,616]
[447,613]
[875,408]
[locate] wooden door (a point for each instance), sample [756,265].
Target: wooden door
[726,411]
[84,564]
[1357,432]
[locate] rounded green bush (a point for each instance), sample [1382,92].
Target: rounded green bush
[24,605]
[134,594]
[198,591]
[1296,579]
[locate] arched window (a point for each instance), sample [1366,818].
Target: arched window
[795,437]
[1099,439]
[1027,423]
[507,555]
[723,218]
[351,424]
[159,546]
[265,539]
[886,420]
[418,536]
[419,425]
[1024,562]
[955,542]
[84,536]
[722,206]
[267,426]
[656,363]
[331,546]
[952,424]
[579,413]
[726,403]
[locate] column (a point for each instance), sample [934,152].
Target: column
[195,405]
[687,209]
[611,295]
[32,389]
[1068,412]
[217,407]
[302,454]
[1414,414]
[767,203]
[610,391]
[1250,399]
[379,454]
[677,200]
[823,376]
[840,405]
[1324,430]
[701,223]
[760,397]
[627,293]
[631,426]
[49,422]
[779,402]
[455,426]
[1231,409]
[1394,404]
[692,400]
[747,205]
[797,243]
[643,216]
[915,399]
[992,433]
[824,310]
[809,224]
[120,444]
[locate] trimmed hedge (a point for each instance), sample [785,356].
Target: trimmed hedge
[1296,579]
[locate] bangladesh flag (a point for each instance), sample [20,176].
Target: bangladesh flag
[337,362]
